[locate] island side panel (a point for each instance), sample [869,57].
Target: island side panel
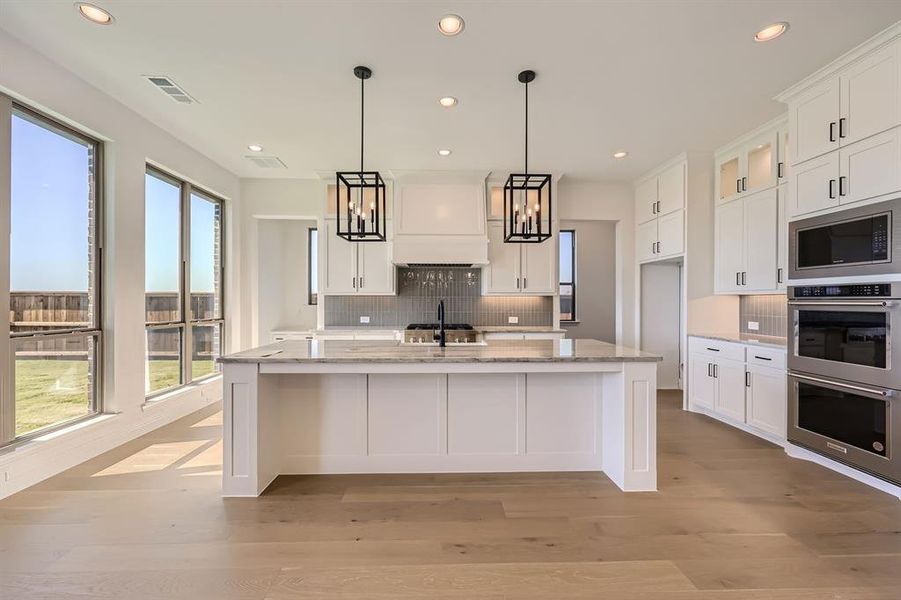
[246,467]
[629,423]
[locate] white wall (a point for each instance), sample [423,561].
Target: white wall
[261,200]
[129,143]
[608,201]
[661,319]
[284,275]
[595,280]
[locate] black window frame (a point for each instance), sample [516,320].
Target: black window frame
[312,297]
[560,284]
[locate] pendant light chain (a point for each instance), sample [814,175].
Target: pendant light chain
[526,170]
[362,118]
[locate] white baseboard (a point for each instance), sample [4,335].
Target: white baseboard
[37,460]
[866,478]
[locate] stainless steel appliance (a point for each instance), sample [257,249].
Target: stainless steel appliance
[428,333]
[858,241]
[843,378]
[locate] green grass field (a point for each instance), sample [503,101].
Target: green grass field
[52,391]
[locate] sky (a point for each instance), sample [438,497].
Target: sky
[49,228]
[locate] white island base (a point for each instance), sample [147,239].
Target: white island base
[316,418]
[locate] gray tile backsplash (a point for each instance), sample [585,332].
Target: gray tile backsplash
[770,311]
[418,291]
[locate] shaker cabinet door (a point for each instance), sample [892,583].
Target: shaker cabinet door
[502,275]
[761,216]
[646,241]
[871,95]
[538,267]
[813,121]
[339,263]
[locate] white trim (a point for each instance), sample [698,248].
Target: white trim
[865,478]
[882,38]
[776,124]
[49,455]
[683,157]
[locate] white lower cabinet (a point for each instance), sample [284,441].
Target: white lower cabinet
[765,407]
[509,335]
[743,385]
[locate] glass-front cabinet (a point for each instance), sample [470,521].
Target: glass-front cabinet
[751,164]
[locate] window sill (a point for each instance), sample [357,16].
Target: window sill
[565,323]
[193,387]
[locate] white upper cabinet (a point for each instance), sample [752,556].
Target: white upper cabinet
[813,122]
[538,267]
[860,98]
[871,95]
[348,268]
[870,168]
[782,238]
[747,244]
[375,272]
[338,262]
[646,200]
[813,185]
[519,268]
[752,163]
[729,244]
[671,189]
[646,241]
[660,200]
[761,225]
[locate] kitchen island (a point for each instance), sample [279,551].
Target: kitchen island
[308,406]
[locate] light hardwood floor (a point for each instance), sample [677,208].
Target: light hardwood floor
[735,519]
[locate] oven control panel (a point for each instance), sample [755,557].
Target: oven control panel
[857,290]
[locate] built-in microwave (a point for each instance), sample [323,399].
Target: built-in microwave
[859,241]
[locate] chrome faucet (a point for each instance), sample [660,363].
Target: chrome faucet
[441,336]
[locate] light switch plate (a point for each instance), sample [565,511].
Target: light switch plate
[364,319]
[512,320]
[753,326]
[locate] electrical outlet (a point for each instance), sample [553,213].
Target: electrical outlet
[512,320]
[364,319]
[753,326]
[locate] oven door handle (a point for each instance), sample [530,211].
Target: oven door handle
[882,304]
[858,388]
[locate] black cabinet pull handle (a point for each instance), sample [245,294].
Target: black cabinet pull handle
[832,131]
[780,167]
[747,379]
[841,185]
[737,278]
[779,275]
[841,127]
[762,357]
[831,188]
[743,281]
[744,184]
[708,370]
[714,349]
[737,186]
[715,372]
[653,208]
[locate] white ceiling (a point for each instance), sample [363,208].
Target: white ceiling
[652,77]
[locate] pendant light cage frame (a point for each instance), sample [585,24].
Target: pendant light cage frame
[361,206]
[361,196]
[528,207]
[528,201]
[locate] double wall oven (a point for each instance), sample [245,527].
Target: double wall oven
[844,376]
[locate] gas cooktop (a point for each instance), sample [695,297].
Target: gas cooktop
[447,326]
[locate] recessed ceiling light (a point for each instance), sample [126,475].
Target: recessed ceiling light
[620,154]
[444,152]
[447,101]
[255,148]
[451,24]
[771,32]
[94,14]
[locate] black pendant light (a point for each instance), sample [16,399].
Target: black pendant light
[361,194]
[527,196]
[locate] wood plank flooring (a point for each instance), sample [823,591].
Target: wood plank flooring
[735,519]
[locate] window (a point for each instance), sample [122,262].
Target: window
[313,265]
[567,275]
[54,276]
[181,220]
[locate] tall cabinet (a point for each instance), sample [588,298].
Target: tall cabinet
[750,230]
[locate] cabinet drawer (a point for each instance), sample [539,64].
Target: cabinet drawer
[717,348]
[766,357]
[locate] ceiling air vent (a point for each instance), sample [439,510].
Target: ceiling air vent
[267,162]
[169,87]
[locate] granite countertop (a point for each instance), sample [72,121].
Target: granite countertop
[769,341]
[539,351]
[518,329]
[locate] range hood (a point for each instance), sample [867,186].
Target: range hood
[440,222]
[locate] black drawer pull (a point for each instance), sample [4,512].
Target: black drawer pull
[714,349]
[762,357]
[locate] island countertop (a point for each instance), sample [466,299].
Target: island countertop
[506,351]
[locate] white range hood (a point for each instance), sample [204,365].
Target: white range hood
[439,219]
